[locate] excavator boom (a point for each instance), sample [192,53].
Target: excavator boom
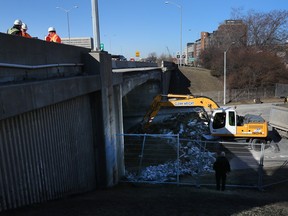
[174,100]
[190,100]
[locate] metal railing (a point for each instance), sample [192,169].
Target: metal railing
[21,66]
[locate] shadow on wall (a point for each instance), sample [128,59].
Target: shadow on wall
[179,83]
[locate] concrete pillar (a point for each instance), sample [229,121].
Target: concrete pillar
[119,129]
[111,99]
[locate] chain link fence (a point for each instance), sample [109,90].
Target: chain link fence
[281,90]
[152,158]
[172,160]
[235,95]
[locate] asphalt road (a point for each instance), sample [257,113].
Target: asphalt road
[255,109]
[277,153]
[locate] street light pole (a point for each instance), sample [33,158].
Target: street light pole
[180,7]
[68,23]
[95,23]
[225,53]
[110,41]
[67,14]
[225,72]
[181,36]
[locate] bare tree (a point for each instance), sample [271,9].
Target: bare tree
[212,58]
[249,68]
[164,57]
[152,57]
[237,13]
[260,61]
[267,29]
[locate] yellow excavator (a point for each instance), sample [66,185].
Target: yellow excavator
[223,122]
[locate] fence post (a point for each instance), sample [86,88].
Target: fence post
[178,160]
[200,163]
[260,168]
[141,156]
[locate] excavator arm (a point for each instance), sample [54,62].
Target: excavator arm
[224,122]
[174,100]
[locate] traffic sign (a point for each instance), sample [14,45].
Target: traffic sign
[102,46]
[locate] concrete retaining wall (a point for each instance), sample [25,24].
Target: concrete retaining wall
[279,118]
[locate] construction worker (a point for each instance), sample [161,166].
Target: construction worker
[221,167]
[52,36]
[16,29]
[24,29]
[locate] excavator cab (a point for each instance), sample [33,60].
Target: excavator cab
[223,122]
[226,123]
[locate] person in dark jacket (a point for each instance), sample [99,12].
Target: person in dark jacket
[221,167]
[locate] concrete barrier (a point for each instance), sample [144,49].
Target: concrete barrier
[279,118]
[33,59]
[131,64]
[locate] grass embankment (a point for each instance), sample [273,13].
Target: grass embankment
[201,80]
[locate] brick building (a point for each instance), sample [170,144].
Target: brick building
[231,31]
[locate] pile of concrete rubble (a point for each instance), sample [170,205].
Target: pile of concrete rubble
[193,159]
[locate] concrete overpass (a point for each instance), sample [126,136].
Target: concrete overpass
[61,109]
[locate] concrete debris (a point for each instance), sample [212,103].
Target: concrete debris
[192,160]
[189,124]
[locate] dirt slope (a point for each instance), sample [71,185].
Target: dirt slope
[193,80]
[201,80]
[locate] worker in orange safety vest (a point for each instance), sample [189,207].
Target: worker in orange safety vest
[24,29]
[52,36]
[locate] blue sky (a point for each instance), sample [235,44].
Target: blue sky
[127,26]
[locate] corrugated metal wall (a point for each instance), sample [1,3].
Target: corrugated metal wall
[46,154]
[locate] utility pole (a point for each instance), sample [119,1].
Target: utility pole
[67,14]
[225,72]
[180,7]
[95,23]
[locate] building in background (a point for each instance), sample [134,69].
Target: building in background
[231,31]
[85,42]
[190,55]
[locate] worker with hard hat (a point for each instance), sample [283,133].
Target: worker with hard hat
[24,29]
[52,36]
[16,29]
